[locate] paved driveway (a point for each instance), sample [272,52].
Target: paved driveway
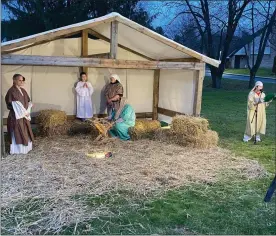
[244,77]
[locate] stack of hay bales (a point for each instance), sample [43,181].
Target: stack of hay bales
[189,131]
[144,129]
[52,122]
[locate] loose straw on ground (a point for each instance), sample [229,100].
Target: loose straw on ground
[57,170]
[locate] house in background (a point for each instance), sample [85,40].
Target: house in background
[238,58]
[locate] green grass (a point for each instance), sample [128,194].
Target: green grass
[231,206]
[264,72]
[226,111]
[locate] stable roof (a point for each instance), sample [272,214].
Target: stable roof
[130,34]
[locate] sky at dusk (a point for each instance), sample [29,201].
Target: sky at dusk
[165,14]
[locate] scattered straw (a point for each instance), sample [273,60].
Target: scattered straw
[58,169]
[143,129]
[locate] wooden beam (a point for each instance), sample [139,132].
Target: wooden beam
[3,51]
[167,41]
[53,34]
[181,60]
[113,39]
[199,77]
[139,115]
[102,37]
[84,43]
[96,62]
[100,55]
[84,48]
[196,83]
[168,112]
[143,115]
[155,94]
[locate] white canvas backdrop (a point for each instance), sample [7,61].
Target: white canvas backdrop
[53,87]
[176,92]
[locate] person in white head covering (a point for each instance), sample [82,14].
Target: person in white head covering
[123,119]
[113,93]
[255,102]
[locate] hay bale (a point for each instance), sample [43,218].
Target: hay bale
[203,140]
[52,122]
[78,127]
[143,129]
[50,118]
[56,130]
[191,125]
[165,135]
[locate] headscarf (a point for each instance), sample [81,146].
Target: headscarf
[123,102]
[115,76]
[258,83]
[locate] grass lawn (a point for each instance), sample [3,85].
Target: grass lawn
[265,72]
[232,206]
[226,111]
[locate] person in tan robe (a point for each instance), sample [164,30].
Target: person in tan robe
[18,124]
[113,93]
[256,101]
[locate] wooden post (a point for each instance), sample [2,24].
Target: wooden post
[84,48]
[100,36]
[113,39]
[155,94]
[3,148]
[199,77]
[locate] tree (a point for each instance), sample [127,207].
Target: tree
[272,40]
[255,50]
[215,18]
[27,17]
[188,35]
[274,66]
[160,30]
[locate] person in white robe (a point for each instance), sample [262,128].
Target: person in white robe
[84,92]
[256,101]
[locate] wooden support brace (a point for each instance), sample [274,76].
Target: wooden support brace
[139,115]
[168,112]
[3,149]
[113,39]
[155,94]
[13,59]
[199,77]
[84,48]
[181,59]
[56,33]
[100,36]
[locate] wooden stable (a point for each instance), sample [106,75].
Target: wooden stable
[153,69]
